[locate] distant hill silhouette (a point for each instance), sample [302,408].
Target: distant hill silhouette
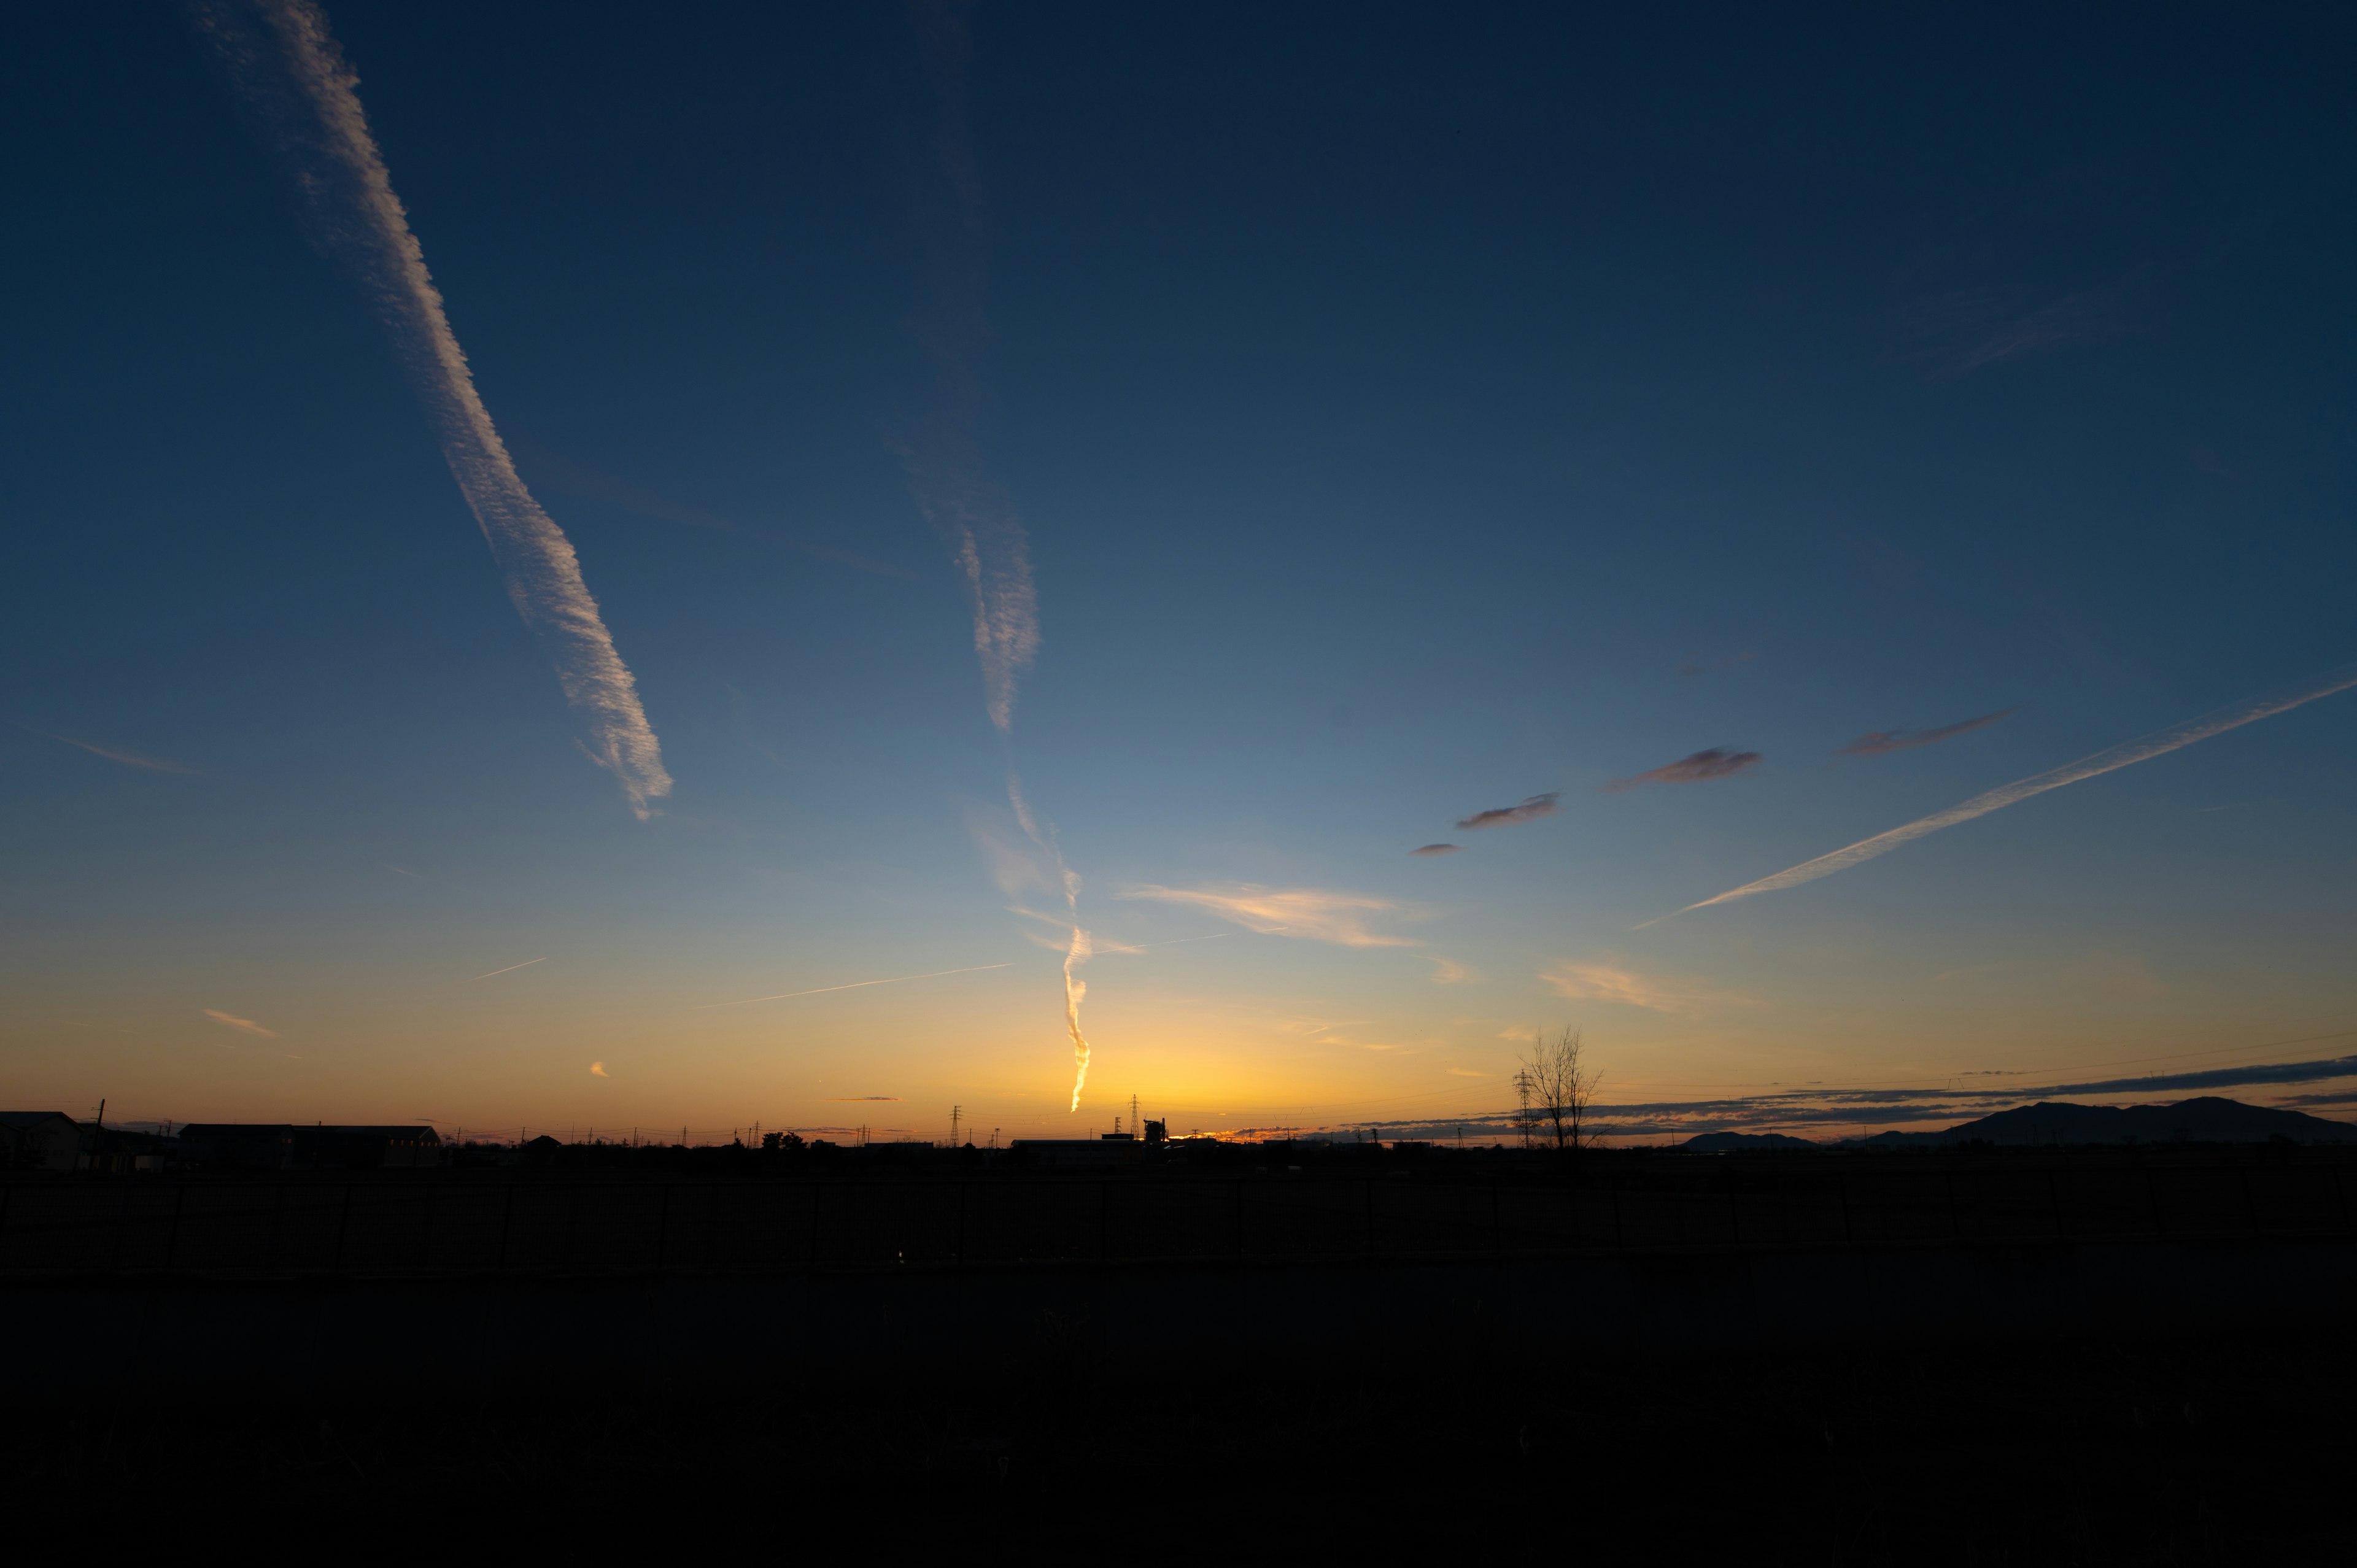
[1734,1143]
[2209,1120]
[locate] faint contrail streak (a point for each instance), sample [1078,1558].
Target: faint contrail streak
[511,969]
[854,985]
[294,77]
[2217,722]
[974,516]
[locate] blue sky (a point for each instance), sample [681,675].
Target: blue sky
[1405,415]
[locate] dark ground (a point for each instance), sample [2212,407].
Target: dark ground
[2229,1447]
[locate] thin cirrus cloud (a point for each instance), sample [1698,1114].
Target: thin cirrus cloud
[510,970]
[1876,743]
[1313,914]
[242,1025]
[1439,849]
[127,757]
[293,76]
[1530,810]
[853,986]
[1672,994]
[1717,762]
[2158,742]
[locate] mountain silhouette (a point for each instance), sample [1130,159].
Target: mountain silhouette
[2209,1120]
[1744,1143]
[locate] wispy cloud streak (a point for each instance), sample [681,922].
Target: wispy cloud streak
[511,969]
[1530,810]
[1875,743]
[242,1025]
[854,985]
[1717,762]
[2121,756]
[1313,913]
[117,754]
[294,77]
[973,517]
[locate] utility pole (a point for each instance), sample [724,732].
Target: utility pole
[1136,1130]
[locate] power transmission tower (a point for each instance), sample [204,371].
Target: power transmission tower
[955,1111]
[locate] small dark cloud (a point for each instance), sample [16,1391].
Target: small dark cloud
[1530,810]
[1696,664]
[1874,742]
[1716,763]
[1438,849]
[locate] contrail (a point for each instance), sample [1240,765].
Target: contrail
[2217,722]
[1076,989]
[293,76]
[854,985]
[511,969]
[973,517]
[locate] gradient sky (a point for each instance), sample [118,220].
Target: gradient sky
[1401,414]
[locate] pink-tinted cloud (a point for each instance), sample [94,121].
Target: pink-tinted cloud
[1877,742]
[1530,810]
[1716,763]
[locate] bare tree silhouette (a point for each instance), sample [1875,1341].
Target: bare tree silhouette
[1554,1090]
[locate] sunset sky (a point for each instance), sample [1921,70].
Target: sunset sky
[1082,490]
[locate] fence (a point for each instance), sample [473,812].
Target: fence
[421,1224]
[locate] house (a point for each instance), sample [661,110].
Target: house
[40,1140]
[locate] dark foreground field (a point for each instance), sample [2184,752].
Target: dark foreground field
[2231,1446]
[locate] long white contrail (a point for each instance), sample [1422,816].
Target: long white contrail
[292,74]
[2215,723]
[1076,989]
[815,990]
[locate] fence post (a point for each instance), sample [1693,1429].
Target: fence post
[172,1238]
[124,1222]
